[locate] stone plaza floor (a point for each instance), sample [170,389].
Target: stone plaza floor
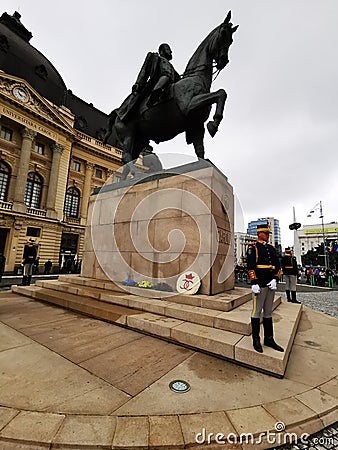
[70,381]
[327,302]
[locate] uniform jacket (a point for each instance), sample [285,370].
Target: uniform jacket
[153,68]
[289,265]
[29,254]
[263,263]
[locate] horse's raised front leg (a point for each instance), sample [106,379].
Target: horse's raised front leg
[202,100]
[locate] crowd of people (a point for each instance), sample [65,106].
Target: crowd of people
[313,275]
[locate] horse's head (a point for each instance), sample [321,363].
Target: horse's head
[222,41]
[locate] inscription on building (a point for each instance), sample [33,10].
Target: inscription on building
[223,236]
[29,123]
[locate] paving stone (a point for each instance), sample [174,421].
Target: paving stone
[10,338]
[193,426]
[86,430]
[6,415]
[8,445]
[290,411]
[318,401]
[33,427]
[165,433]
[251,420]
[131,432]
[149,358]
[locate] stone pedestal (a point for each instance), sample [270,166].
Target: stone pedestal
[156,227]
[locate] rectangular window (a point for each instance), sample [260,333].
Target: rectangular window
[34,232]
[98,173]
[76,166]
[39,148]
[6,133]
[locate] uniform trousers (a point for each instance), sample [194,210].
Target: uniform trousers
[263,300]
[290,282]
[28,269]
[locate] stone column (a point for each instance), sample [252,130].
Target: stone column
[21,180]
[53,179]
[86,190]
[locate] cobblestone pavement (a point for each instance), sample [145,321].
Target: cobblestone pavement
[324,301]
[327,302]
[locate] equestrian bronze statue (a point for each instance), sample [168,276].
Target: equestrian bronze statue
[162,104]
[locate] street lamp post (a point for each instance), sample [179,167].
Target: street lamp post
[321,216]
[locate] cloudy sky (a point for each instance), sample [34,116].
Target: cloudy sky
[278,141]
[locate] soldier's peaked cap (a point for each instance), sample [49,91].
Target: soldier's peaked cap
[263,227]
[288,250]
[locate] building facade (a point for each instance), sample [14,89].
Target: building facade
[311,236]
[51,154]
[241,242]
[275,235]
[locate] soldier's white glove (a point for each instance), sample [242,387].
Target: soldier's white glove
[272,285]
[255,289]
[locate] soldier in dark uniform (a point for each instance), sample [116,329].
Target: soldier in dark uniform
[264,272]
[290,271]
[28,261]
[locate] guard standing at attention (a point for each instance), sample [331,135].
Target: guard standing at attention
[290,271]
[264,272]
[28,260]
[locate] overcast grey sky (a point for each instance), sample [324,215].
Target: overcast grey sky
[278,141]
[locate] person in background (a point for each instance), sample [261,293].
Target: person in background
[329,275]
[48,267]
[264,272]
[28,260]
[36,266]
[2,264]
[290,271]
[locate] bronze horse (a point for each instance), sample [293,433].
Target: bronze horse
[186,106]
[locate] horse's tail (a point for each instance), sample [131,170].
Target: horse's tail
[110,124]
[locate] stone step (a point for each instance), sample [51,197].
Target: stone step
[226,301]
[237,320]
[233,346]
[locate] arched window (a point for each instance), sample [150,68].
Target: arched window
[33,190]
[4,180]
[72,202]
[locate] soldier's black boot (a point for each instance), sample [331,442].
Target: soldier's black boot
[29,280]
[288,296]
[24,281]
[294,299]
[255,327]
[268,335]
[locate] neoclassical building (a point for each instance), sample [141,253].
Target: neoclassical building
[51,153]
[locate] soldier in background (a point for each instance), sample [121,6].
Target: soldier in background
[290,271]
[28,261]
[264,272]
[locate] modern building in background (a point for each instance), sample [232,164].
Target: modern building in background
[275,235]
[241,241]
[311,236]
[51,153]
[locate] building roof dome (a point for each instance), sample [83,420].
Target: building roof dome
[19,58]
